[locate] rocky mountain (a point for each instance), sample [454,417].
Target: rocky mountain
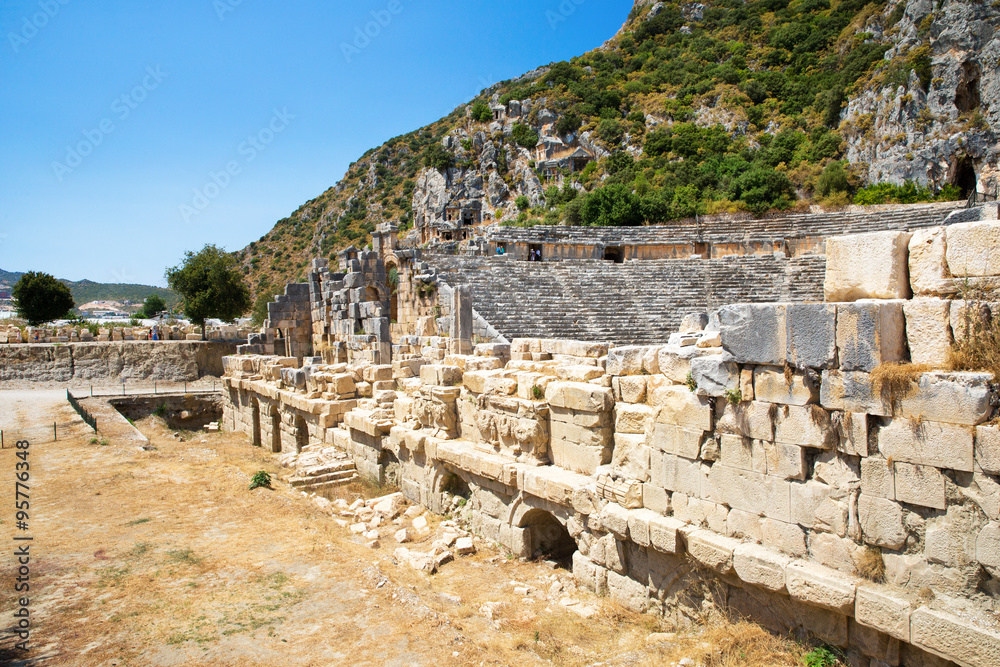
[691,108]
[85,291]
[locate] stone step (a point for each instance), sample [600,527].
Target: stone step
[339,477]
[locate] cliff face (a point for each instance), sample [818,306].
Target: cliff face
[899,90]
[940,127]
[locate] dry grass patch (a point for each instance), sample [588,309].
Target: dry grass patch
[894,381]
[871,565]
[731,644]
[977,343]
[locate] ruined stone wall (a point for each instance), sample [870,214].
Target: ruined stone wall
[166,361]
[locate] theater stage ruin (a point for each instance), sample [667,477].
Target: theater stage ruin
[687,429]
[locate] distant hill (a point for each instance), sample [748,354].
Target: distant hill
[85,291]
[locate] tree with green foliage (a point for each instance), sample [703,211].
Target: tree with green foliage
[259,312]
[437,157]
[481,112]
[833,180]
[153,306]
[40,298]
[612,206]
[211,284]
[524,136]
[523,203]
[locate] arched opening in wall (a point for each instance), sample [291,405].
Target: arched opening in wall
[301,433]
[371,294]
[392,278]
[389,464]
[275,430]
[455,492]
[548,538]
[255,422]
[967,93]
[613,255]
[964,176]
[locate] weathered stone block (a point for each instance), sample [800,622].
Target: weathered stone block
[750,419]
[988,546]
[928,331]
[919,485]
[812,335]
[784,461]
[754,333]
[867,266]
[955,398]
[760,566]
[664,534]
[884,610]
[772,385]
[638,526]
[882,522]
[821,586]
[808,426]
[877,478]
[714,375]
[614,519]
[579,396]
[680,407]
[788,538]
[749,491]
[629,389]
[927,443]
[633,418]
[870,333]
[671,439]
[973,249]
[955,638]
[674,362]
[929,275]
[626,360]
[631,456]
[988,449]
[712,550]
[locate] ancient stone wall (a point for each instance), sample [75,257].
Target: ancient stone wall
[167,361]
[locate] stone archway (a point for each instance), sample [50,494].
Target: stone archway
[547,537]
[301,433]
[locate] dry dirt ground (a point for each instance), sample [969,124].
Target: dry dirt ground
[165,557]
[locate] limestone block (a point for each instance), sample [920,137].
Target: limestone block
[987,450]
[877,478]
[754,333]
[881,522]
[664,534]
[586,420]
[808,426]
[714,375]
[631,457]
[760,566]
[955,638]
[626,360]
[676,440]
[883,609]
[928,443]
[973,249]
[440,375]
[500,386]
[852,392]
[742,524]
[638,526]
[750,419]
[788,538]
[680,407]
[771,385]
[628,592]
[675,473]
[853,434]
[629,389]
[867,266]
[928,263]
[955,398]
[633,418]
[870,333]
[655,499]
[749,491]
[919,485]
[578,373]
[783,461]
[821,586]
[928,331]
[807,499]
[988,546]
[579,396]
[674,361]
[584,459]
[742,453]
[812,335]
[833,550]
[614,519]
[712,550]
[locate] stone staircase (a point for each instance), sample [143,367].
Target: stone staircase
[632,303]
[318,468]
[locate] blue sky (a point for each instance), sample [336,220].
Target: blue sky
[131,131]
